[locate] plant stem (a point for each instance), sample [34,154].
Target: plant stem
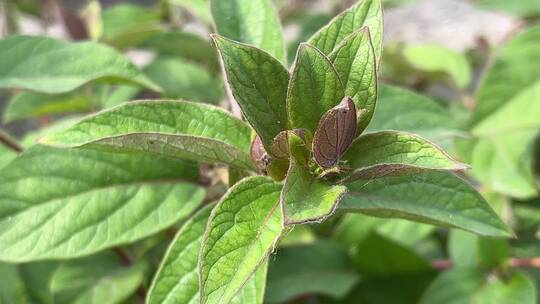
[512,262]
[10,142]
[127,261]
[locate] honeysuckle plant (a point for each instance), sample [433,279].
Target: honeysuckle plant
[299,154]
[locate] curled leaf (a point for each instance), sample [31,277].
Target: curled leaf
[335,133]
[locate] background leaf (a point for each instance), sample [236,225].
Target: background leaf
[51,73]
[324,264]
[434,58]
[183,80]
[253,22]
[28,105]
[242,231]
[403,110]
[116,199]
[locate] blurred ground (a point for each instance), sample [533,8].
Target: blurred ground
[456,24]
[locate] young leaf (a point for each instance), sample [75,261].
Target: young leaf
[314,88]
[335,133]
[365,13]
[394,153]
[172,128]
[253,22]
[305,198]
[355,63]
[88,201]
[242,231]
[51,73]
[258,82]
[324,264]
[438,198]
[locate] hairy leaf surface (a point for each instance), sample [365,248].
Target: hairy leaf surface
[171,128]
[439,198]
[242,231]
[314,88]
[258,82]
[364,13]
[88,201]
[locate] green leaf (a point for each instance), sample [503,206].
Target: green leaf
[27,105]
[115,199]
[463,248]
[434,58]
[242,231]
[365,13]
[400,109]
[199,8]
[109,96]
[354,228]
[438,198]
[12,289]
[6,155]
[186,45]
[324,264]
[455,286]
[518,114]
[469,285]
[163,127]
[510,74]
[183,80]
[503,162]
[126,25]
[254,290]
[253,22]
[305,198]
[394,153]
[96,279]
[37,277]
[354,61]
[314,88]
[519,289]
[378,256]
[503,153]
[51,73]
[258,82]
[177,279]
